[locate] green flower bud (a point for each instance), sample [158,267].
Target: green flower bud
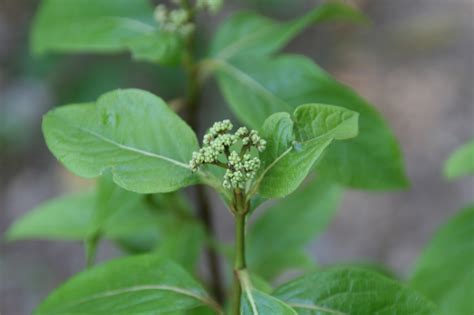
[240,167]
[179,16]
[161,14]
[242,132]
[212,6]
[186,29]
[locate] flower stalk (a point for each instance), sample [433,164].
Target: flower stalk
[237,153]
[240,263]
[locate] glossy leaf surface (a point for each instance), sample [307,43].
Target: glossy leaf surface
[145,284]
[295,143]
[130,133]
[255,302]
[352,292]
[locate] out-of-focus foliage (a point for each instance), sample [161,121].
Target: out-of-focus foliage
[461,162]
[445,270]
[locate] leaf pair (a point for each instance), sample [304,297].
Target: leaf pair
[254,85]
[150,284]
[146,147]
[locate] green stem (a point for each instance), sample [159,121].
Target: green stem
[239,262]
[239,259]
[203,208]
[91,250]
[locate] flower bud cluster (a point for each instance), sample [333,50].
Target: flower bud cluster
[212,6]
[240,167]
[176,20]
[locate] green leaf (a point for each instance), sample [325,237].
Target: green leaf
[181,241]
[75,217]
[157,47]
[111,199]
[260,284]
[256,88]
[292,223]
[295,260]
[248,33]
[102,26]
[131,133]
[445,270]
[296,143]
[354,292]
[255,302]
[146,284]
[65,218]
[461,162]
[165,226]
[369,266]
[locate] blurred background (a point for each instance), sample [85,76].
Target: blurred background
[415,63]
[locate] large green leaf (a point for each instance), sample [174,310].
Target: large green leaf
[296,220]
[256,87]
[65,218]
[147,284]
[461,162]
[131,133]
[296,143]
[103,26]
[248,33]
[120,217]
[445,270]
[75,217]
[352,292]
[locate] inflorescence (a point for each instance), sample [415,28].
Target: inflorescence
[179,20]
[240,167]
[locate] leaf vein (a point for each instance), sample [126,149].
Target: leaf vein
[135,150]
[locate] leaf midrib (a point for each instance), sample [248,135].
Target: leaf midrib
[111,293]
[231,50]
[131,149]
[249,81]
[130,23]
[247,288]
[281,156]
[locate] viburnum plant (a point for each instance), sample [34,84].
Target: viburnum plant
[302,138]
